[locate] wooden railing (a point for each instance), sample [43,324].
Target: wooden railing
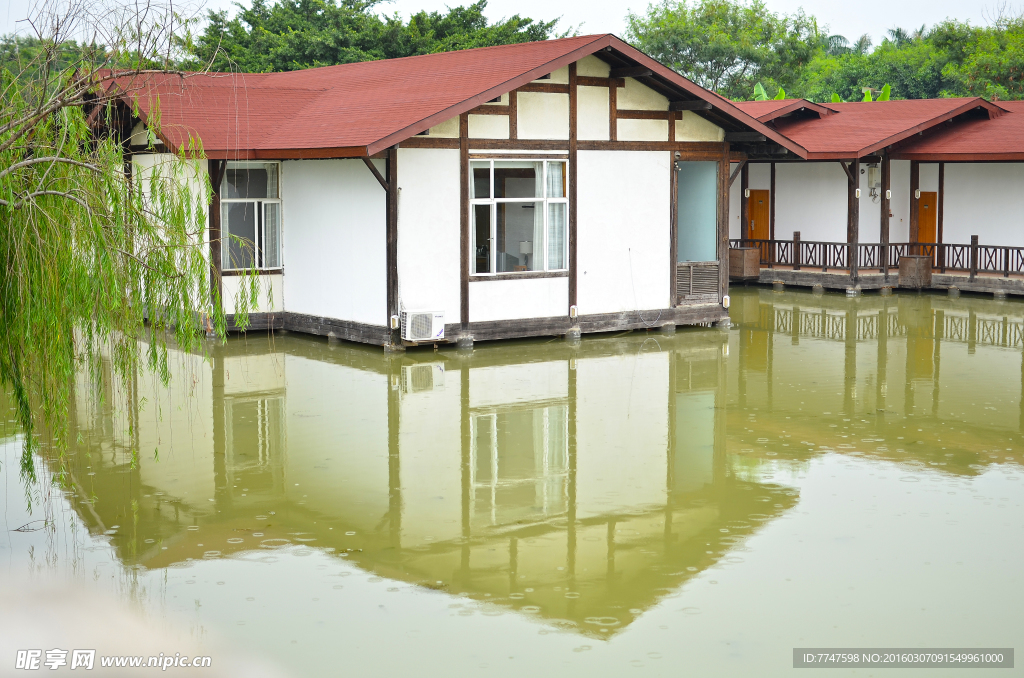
[971,258]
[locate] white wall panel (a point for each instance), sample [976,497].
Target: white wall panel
[428,231]
[623,230]
[983,199]
[334,239]
[517,299]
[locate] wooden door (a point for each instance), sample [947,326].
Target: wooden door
[926,217]
[757,209]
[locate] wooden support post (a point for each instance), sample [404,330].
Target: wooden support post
[883,227]
[464,220]
[853,220]
[513,116]
[613,112]
[915,186]
[573,230]
[771,216]
[796,250]
[391,169]
[938,216]
[974,257]
[744,202]
[217,169]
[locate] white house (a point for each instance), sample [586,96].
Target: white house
[545,188]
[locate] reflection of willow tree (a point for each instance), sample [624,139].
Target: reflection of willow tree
[91,259]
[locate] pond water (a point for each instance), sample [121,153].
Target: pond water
[828,472]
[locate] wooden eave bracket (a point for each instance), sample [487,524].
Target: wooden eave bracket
[380,178]
[849,174]
[736,172]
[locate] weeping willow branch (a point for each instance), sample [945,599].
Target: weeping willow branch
[95,263]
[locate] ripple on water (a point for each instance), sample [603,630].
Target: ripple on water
[274,543]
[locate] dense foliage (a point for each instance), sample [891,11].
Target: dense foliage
[730,45]
[294,34]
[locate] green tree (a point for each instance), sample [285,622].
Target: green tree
[726,45]
[295,34]
[94,263]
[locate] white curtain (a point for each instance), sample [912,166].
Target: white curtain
[557,216]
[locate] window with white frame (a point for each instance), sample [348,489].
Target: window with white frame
[519,216]
[250,203]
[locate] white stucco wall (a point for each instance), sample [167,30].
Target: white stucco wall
[810,197]
[623,226]
[428,231]
[488,126]
[593,123]
[692,127]
[333,226]
[642,130]
[517,299]
[543,115]
[982,199]
[270,298]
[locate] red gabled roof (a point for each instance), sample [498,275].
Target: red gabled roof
[362,108]
[998,139]
[771,109]
[863,128]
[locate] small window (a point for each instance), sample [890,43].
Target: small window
[250,216]
[520,216]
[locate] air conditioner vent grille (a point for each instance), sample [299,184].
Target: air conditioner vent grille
[697,281]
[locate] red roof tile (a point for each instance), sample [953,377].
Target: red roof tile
[362,108]
[862,128]
[771,109]
[1001,138]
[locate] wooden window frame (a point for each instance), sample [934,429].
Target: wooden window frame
[544,271]
[260,203]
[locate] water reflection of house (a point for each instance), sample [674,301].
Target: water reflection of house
[952,367]
[579,484]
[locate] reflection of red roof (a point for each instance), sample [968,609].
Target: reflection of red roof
[863,128]
[362,108]
[999,139]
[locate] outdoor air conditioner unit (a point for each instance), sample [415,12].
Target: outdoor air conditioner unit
[422,325]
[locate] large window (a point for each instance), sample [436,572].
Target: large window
[698,211]
[250,216]
[519,216]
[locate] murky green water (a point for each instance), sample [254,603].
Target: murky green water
[829,472]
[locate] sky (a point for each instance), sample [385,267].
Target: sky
[850,19]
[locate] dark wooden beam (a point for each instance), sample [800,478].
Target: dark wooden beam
[490,109]
[940,201]
[736,172]
[464,259]
[629,114]
[380,179]
[391,167]
[573,155]
[513,116]
[744,201]
[591,81]
[883,227]
[613,114]
[849,177]
[853,218]
[549,87]
[744,137]
[771,209]
[697,105]
[216,168]
[630,72]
